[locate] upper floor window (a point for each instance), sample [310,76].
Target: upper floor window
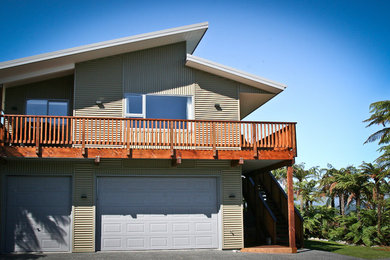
[45,107]
[159,106]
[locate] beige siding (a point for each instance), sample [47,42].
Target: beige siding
[233,233]
[99,80]
[158,71]
[58,88]
[83,209]
[211,90]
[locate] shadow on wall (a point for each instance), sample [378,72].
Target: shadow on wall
[38,214]
[30,230]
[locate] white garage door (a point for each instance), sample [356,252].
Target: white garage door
[38,214]
[139,213]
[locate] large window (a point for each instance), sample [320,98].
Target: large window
[45,107]
[159,106]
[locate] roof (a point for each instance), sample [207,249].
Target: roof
[62,62]
[234,74]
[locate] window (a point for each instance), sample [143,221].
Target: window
[44,107]
[158,106]
[135,105]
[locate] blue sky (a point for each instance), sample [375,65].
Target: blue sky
[333,55]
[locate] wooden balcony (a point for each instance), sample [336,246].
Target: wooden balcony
[97,137]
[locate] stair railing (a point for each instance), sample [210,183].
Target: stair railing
[279,196]
[265,219]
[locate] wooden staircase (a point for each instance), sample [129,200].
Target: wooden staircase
[265,212]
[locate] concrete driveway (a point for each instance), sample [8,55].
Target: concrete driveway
[302,254]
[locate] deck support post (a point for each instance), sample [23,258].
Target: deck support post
[291,213]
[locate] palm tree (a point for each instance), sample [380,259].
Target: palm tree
[338,187]
[355,182]
[380,115]
[281,175]
[302,175]
[326,181]
[378,174]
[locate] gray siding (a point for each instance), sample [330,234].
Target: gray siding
[58,88]
[85,172]
[159,70]
[99,80]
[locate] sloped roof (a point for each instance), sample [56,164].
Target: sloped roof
[59,62]
[62,62]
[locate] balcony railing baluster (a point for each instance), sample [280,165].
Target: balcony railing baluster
[145,133]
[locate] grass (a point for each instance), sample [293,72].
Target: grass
[356,251]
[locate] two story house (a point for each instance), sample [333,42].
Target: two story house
[136,144]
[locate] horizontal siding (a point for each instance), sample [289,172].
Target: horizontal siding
[211,90]
[232,216]
[34,167]
[99,80]
[84,183]
[83,210]
[158,70]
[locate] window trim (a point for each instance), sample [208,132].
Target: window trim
[190,105]
[136,115]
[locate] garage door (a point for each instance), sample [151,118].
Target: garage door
[138,213]
[38,214]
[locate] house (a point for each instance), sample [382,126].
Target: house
[136,144]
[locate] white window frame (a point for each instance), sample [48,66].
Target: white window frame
[190,105]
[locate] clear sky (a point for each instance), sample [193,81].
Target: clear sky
[333,55]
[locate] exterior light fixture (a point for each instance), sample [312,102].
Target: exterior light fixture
[99,103]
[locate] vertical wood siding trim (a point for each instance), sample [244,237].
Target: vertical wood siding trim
[232,216]
[83,209]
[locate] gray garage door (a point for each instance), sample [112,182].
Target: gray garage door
[38,214]
[138,213]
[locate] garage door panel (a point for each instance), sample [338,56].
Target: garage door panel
[165,217]
[38,214]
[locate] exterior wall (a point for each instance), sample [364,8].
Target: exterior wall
[99,80]
[84,175]
[158,70]
[211,90]
[58,88]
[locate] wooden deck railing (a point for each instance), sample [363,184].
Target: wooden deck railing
[145,133]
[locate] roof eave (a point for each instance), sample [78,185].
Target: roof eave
[112,43]
[234,74]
